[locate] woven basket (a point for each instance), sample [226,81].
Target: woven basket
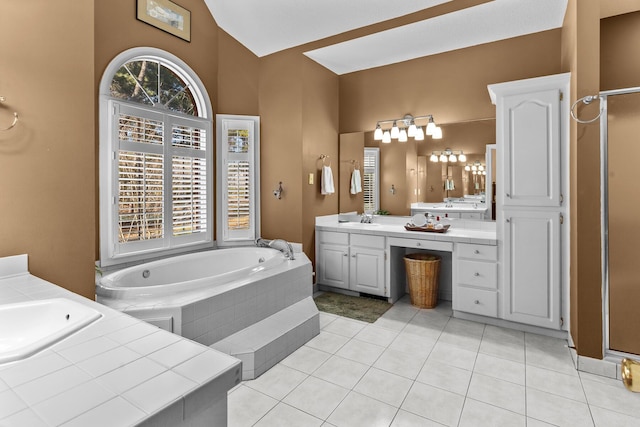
[422,275]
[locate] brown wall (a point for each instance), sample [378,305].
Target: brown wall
[580,56]
[452,86]
[620,51]
[238,77]
[47,162]
[351,149]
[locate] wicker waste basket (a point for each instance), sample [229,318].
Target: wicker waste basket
[422,275]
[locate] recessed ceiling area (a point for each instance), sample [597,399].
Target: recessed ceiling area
[268,27]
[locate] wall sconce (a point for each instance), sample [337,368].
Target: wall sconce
[448,155]
[278,191]
[407,129]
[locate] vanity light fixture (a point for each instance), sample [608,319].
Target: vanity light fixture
[406,127]
[475,167]
[448,155]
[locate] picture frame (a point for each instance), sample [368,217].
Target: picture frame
[167,16]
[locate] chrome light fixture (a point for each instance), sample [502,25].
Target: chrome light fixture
[406,127]
[476,167]
[448,155]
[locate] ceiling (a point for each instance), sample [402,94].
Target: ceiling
[266,27]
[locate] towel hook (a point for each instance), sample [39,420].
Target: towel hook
[323,157]
[15,116]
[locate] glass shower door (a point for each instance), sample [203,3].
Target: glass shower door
[623,207]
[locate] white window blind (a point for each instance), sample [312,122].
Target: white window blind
[370,179]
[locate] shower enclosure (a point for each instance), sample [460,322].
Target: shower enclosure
[620,161]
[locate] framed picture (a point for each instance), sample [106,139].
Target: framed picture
[167,16]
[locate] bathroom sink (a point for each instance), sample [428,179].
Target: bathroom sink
[28,327]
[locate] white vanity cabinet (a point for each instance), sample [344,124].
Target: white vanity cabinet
[532,268]
[351,261]
[532,128]
[332,254]
[366,268]
[475,288]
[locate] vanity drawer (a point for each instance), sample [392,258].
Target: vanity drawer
[478,273]
[367,241]
[479,252]
[476,301]
[333,237]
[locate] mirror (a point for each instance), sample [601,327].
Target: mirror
[407,175]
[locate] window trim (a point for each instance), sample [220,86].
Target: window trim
[106,171]
[221,172]
[375,153]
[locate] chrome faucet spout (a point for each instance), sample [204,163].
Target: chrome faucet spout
[283,246]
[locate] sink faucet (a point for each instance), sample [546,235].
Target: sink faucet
[283,246]
[366,218]
[448,203]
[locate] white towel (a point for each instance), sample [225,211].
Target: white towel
[326,186]
[356,182]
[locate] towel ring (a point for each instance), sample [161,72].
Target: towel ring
[15,117]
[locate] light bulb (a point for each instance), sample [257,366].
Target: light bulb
[431,126]
[402,137]
[443,158]
[467,168]
[474,168]
[386,137]
[433,158]
[480,168]
[475,172]
[377,135]
[412,130]
[419,135]
[453,158]
[437,133]
[462,157]
[395,132]
[484,172]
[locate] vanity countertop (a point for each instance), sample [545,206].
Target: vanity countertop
[461,231]
[118,371]
[471,206]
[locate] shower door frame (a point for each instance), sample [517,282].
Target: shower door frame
[608,353]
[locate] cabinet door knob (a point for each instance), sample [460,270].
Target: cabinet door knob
[508,195]
[353,256]
[476,274]
[507,220]
[476,252]
[476,302]
[345,255]
[418,244]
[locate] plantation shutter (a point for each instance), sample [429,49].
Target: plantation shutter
[370,179]
[161,180]
[238,150]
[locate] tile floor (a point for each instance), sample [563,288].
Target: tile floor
[425,368]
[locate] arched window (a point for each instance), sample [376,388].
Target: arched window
[156,167]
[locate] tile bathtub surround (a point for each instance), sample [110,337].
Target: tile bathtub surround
[119,371]
[424,368]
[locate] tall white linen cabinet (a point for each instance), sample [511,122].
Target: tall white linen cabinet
[532,135]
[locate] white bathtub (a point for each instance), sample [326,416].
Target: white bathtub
[187,273]
[210,296]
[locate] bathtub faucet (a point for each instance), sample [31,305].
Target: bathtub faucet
[283,246]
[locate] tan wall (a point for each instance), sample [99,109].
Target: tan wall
[47,162]
[238,77]
[452,86]
[619,58]
[580,56]
[351,149]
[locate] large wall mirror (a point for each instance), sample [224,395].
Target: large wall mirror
[407,174]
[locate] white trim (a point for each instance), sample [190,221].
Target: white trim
[248,237]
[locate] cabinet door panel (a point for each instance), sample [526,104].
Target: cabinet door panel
[367,271]
[532,268]
[532,149]
[333,266]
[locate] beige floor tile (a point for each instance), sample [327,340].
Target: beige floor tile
[407,419]
[479,414]
[557,410]
[433,403]
[360,351]
[503,369]
[278,381]
[497,392]
[247,406]
[283,415]
[400,363]
[445,377]
[316,397]
[343,372]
